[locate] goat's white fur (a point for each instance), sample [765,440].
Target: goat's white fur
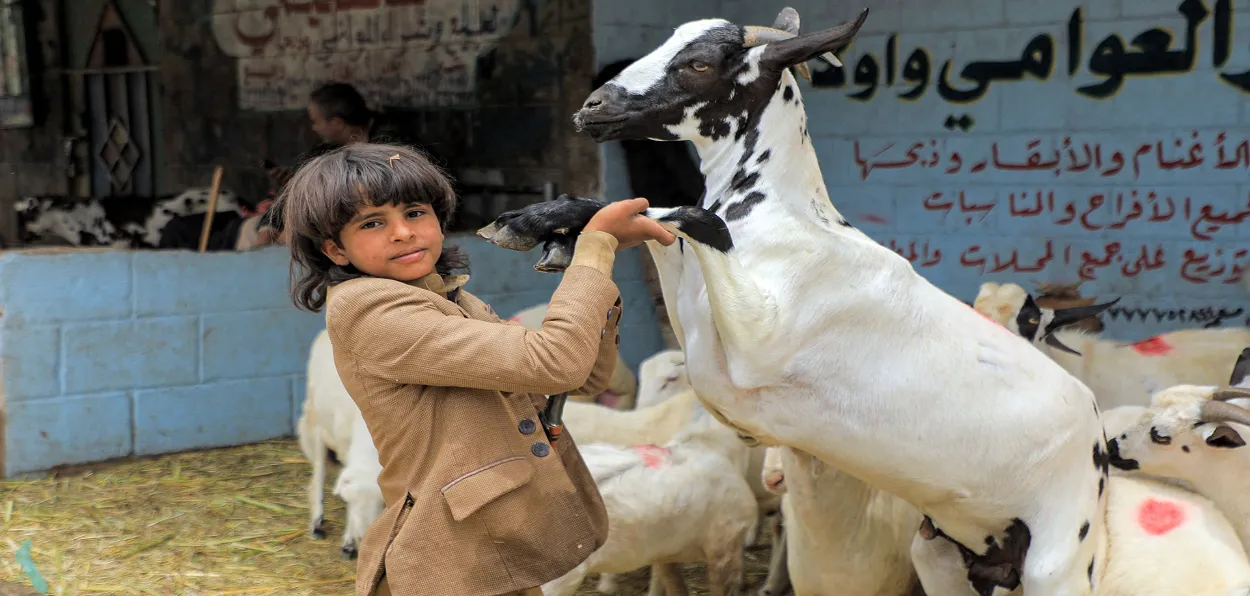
[1217,473]
[812,335]
[696,506]
[331,420]
[841,535]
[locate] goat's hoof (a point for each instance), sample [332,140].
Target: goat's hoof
[317,531]
[348,552]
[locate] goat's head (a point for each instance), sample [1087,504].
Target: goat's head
[709,73]
[1186,430]
[1185,427]
[1011,306]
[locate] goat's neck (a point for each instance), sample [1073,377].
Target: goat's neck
[789,175]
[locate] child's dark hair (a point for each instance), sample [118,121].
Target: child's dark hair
[323,196]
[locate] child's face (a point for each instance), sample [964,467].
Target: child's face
[400,242]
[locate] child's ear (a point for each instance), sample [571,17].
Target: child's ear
[332,250]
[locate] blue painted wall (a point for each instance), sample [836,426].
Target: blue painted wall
[1162,214]
[111,353]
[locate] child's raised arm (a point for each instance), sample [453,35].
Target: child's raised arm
[401,335]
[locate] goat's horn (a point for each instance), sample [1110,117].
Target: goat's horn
[1228,393]
[787,20]
[803,71]
[757,36]
[1218,411]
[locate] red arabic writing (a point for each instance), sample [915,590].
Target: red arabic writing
[1216,265]
[1066,157]
[1099,210]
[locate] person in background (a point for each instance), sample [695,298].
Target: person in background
[340,116]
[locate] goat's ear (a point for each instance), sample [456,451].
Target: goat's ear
[987,289]
[797,50]
[1225,437]
[1241,370]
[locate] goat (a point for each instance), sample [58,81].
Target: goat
[1011,306]
[684,502]
[800,330]
[358,486]
[841,535]
[1119,373]
[1196,434]
[1056,296]
[331,421]
[656,425]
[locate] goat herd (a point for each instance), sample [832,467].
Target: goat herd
[682,488]
[910,442]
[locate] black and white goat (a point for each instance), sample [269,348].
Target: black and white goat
[800,330]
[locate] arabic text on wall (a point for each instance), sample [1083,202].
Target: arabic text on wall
[396,52]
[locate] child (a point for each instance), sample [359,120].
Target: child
[478,501]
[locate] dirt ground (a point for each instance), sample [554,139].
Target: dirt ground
[220,521]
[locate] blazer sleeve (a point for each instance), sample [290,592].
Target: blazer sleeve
[398,333]
[605,361]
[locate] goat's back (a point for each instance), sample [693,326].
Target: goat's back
[1166,540]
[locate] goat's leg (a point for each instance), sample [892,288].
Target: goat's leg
[666,579]
[940,567]
[607,584]
[315,451]
[778,580]
[567,584]
[668,264]
[724,568]
[744,312]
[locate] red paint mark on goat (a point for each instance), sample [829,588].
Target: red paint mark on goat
[1155,346]
[870,217]
[652,455]
[1159,517]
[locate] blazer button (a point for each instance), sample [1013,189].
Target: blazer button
[527,427]
[540,449]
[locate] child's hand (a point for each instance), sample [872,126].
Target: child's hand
[624,220]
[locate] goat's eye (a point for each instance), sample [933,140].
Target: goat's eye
[1158,438]
[698,66]
[1034,321]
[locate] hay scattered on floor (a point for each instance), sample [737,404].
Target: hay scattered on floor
[221,521]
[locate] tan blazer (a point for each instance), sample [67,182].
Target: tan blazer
[478,503]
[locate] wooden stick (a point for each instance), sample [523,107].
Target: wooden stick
[212,207]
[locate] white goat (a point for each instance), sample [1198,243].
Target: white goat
[685,502]
[331,420]
[656,425]
[1119,373]
[841,535]
[622,386]
[800,330]
[1197,434]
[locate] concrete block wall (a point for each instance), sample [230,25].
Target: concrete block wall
[1144,190]
[105,354]
[111,353]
